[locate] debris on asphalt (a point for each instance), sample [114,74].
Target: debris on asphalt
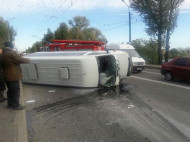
[130,106]
[30,101]
[52,91]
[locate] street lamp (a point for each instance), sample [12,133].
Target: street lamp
[129,20]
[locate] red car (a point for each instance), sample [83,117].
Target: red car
[176,68]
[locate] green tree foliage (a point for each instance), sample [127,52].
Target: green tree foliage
[173,53]
[62,32]
[35,47]
[173,11]
[78,23]
[93,34]
[155,15]
[6,32]
[79,29]
[147,49]
[48,37]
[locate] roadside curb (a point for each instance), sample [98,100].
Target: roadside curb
[158,67]
[22,135]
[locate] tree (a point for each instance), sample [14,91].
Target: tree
[3,32]
[155,14]
[78,23]
[173,11]
[6,32]
[173,53]
[79,30]
[35,47]
[147,49]
[48,37]
[62,32]
[93,34]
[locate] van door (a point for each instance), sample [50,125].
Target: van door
[108,70]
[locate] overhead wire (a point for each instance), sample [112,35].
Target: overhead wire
[115,27]
[58,6]
[71,4]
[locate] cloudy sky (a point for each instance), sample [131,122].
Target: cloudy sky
[31,18]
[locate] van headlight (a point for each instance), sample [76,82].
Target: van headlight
[135,63]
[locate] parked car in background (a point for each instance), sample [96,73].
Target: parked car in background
[138,62]
[176,68]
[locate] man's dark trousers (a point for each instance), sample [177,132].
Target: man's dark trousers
[13,93]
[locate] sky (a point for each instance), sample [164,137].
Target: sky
[32,18]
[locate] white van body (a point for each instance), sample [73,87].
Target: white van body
[76,69]
[138,62]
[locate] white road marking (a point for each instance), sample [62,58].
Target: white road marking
[151,72]
[161,82]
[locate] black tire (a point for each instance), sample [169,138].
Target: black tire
[169,76]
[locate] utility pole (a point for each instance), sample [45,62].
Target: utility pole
[129,26]
[129,20]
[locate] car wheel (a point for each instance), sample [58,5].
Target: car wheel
[169,76]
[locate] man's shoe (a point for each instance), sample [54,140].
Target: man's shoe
[18,107]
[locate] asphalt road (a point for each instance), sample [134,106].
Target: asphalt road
[145,108]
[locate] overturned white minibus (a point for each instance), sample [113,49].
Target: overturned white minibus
[76,69]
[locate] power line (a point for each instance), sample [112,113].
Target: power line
[52,14]
[115,27]
[58,6]
[71,4]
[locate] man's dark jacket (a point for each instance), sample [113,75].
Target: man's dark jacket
[10,62]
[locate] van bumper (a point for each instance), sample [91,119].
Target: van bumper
[138,68]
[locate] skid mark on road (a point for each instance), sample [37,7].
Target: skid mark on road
[83,100]
[161,82]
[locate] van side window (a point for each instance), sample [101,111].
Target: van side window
[181,62]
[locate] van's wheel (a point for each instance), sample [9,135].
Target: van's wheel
[169,76]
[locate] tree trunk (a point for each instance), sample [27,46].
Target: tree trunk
[167,45]
[159,47]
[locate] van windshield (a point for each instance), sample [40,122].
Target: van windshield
[131,52]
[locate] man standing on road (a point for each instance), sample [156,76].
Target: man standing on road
[10,62]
